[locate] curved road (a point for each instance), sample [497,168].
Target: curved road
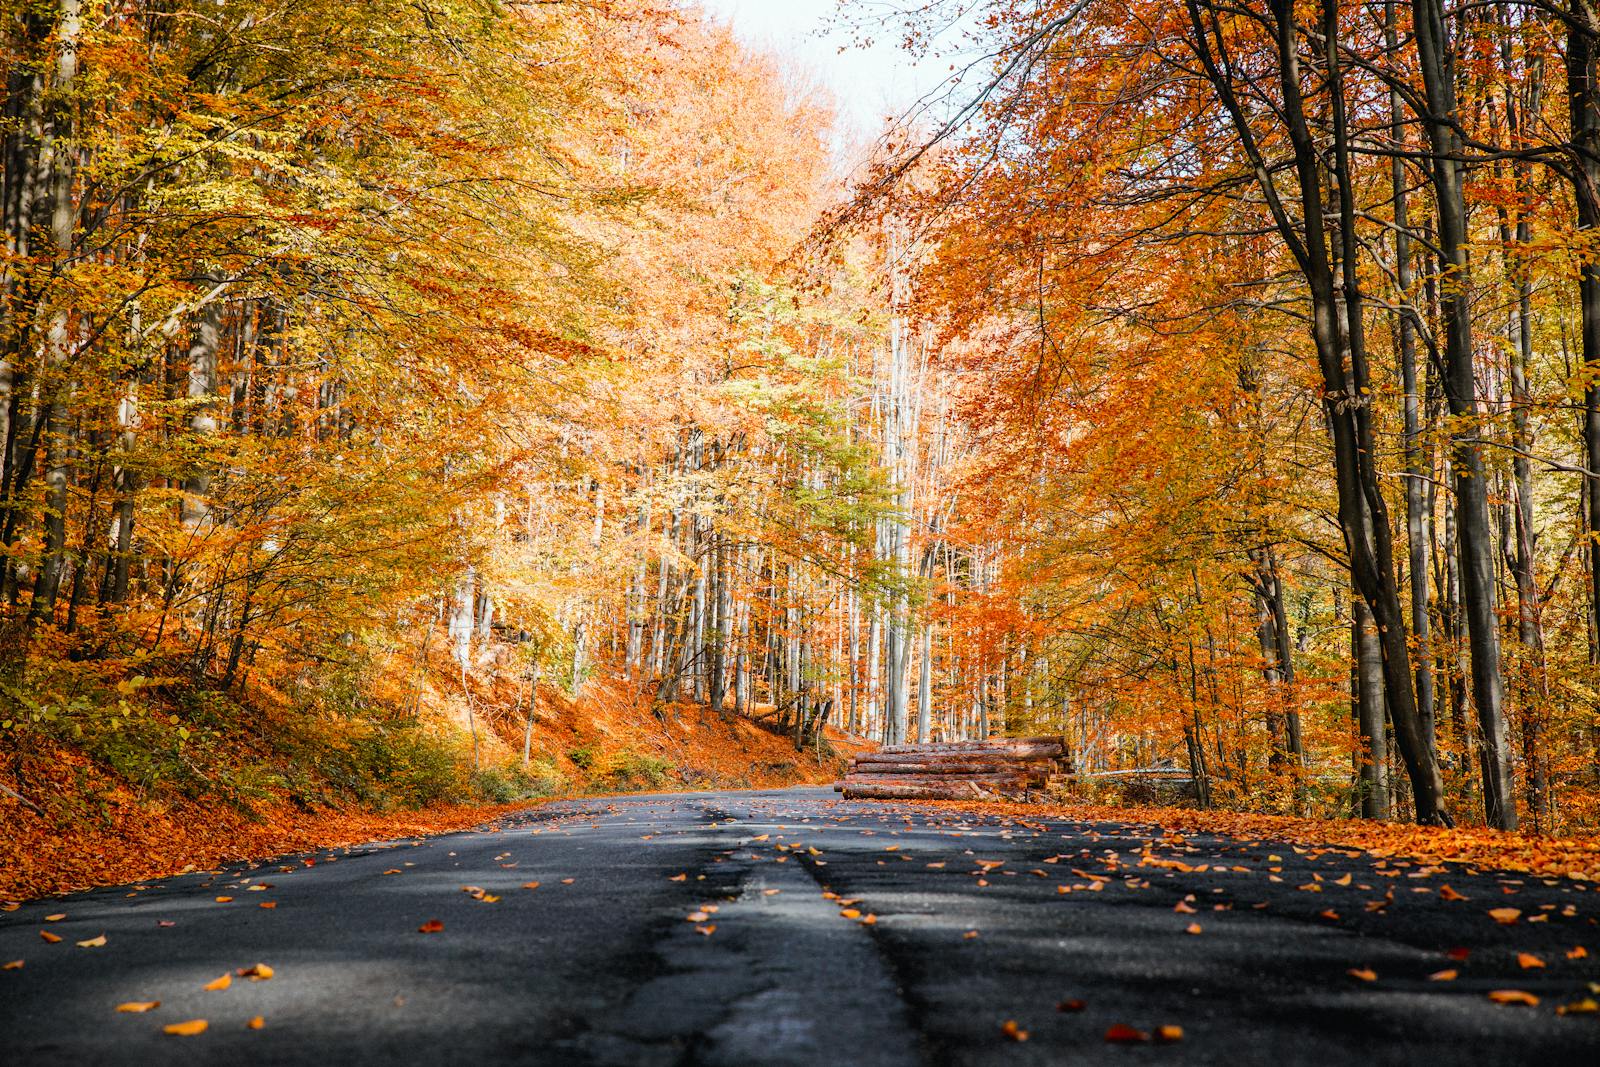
[789,928]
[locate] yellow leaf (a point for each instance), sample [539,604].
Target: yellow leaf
[188,1029]
[259,973]
[135,1007]
[1513,996]
[1342,881]
[220,983]
[1505,916]
[93,942]
[1586,1006]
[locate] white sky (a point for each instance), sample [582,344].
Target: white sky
[867,83]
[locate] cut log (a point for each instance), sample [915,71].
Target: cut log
[998,744]
[934,763]
[968,791]
[917,779]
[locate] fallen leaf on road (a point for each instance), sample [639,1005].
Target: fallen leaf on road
[708,929]
[188,1029]
[1577,952]
[1329,913]
[268,904]
[1513,996]
[1126,1035]
[93,942]
[1071,1005]
[46,935]
[137,1007]
[165,922]
[224,900]
[1459,954]
[259,887]
[1342,881]
[432,926]
[394,870]
[1166,1035]
[568,881]
[770,892]
[969,935]
[1010,1029]
[220,983]
[259,973]
[1505,916]
[1527,961]
[1446,893]
[679,877]
[696,917]
[256,1022]
[1183,909]
[850,913]
[57,917]
[11,965]
[1192,928]
[869,920]
[1365,974]
[530,885]
[1443,976]
[1586,1006]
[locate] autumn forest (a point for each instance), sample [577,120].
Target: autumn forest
[386,387]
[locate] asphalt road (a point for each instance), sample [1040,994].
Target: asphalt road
[963,925]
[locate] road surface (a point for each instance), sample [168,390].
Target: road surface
[776,928]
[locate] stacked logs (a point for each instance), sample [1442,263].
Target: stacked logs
[964,770]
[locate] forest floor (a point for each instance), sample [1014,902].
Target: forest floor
[81,823]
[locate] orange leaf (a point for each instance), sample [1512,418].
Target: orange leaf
[1577,952]
[708,929]
[1166,1035]
[432,926]
[1329,913]
[696,917]
[850,913]
[93,942]
[259,973]
[1126,1035]
[1192,928]
[1010,1029]
[1443,976]
[530,885]
[224,900]
[137,1007]
[1365,974]
[1527,961]
[57,917]
[256,1022]
[679,877]
[1183,909]
[1505,916]
[11,965]
[1513,996]
[1446,893]
[220,983]
[188,1029]
[268,904]
[46,935]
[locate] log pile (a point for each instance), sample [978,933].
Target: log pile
[1001,768]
